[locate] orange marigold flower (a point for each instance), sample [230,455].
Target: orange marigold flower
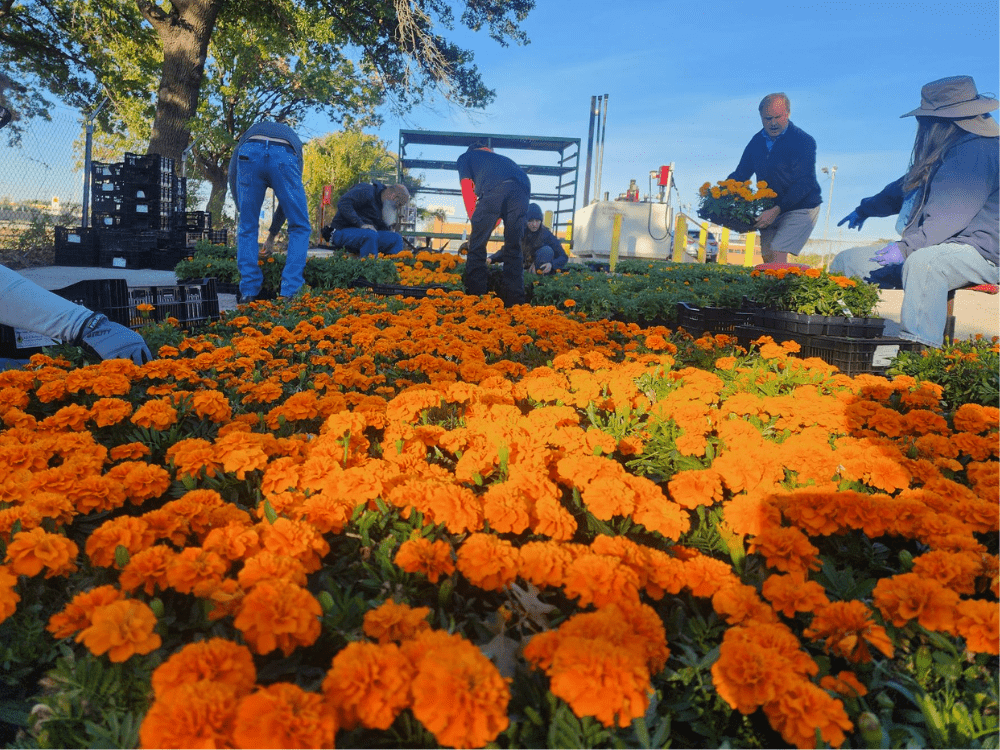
[395,622]
[551,519]
[695,487]
[212,405]
[142,481]
[910,596]
[196,714]
[740,603]
[278,614]
[296,539]
[32,551]
[129,451]
[421,555]
[801,708]
[156,415]
[792,593]
[848,629]
[978,622]
[786,549]
[459,696]
[76,615]
[488,561]
[8,597]
[544,563]
[745,675]
[110,411]
[121,629]
[600,580]
[147,568]
[976,419]
[954,570]
[283,715]
[125,531]
[599,679]
[193,567]
[846,683]
[369,684]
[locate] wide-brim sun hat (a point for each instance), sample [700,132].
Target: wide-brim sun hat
[956,98]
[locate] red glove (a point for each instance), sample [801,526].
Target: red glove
[469,196]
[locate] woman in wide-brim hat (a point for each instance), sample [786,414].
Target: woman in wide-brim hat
[947,204]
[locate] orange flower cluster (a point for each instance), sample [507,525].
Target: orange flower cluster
[601,663]
[760,665]
[450,687]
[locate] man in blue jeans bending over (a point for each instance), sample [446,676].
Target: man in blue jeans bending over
[269,155]
[366,215]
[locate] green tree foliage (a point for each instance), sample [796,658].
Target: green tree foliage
[341,160]
[158,52]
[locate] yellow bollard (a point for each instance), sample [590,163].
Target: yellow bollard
[723,247]
[616,235]
[702,241]
[680,238]
[748,253]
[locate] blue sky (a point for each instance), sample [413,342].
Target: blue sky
[684,82]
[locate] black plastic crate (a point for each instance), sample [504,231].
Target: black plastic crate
[201,301]
[167,258]
[107,202]
[148,168]
[107,221]
[218,236]
[103,171]
[700,320]
[75,246]
[857,356]
[395,290]
[193,221]
[126,249]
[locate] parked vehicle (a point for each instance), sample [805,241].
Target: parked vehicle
[711,245]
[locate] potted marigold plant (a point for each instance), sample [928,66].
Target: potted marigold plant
[813,301]
[734,204]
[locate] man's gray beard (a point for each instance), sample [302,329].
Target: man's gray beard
[389,214]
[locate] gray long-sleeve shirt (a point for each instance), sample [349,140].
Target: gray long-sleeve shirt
[960,203]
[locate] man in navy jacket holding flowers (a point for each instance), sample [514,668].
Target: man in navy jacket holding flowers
[784,156]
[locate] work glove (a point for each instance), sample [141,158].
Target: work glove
[113,340]
[544,268]
[888,255]
[854,220]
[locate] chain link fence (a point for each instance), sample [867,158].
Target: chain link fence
[41,186]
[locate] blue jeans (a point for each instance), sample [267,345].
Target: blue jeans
[367,242]
[24,304]
[926,277]
[262,165]
[507,201]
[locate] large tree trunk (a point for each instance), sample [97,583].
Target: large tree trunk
[185,33]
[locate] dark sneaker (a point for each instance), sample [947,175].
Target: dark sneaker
[247,299]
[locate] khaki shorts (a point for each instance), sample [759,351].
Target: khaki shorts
[789,232]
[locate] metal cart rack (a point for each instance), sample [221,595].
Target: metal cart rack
[446,147]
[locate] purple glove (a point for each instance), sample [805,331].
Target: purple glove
[888,255]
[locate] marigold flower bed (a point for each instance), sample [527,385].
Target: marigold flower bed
[412,522]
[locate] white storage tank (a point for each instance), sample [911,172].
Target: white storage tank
[646,230]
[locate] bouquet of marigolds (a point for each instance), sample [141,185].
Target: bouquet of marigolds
[734,204]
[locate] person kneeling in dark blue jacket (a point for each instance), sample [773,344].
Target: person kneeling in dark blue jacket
[541,250]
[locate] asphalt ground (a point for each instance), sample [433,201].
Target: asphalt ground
[975,312]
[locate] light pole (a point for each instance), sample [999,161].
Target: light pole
[832,171]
